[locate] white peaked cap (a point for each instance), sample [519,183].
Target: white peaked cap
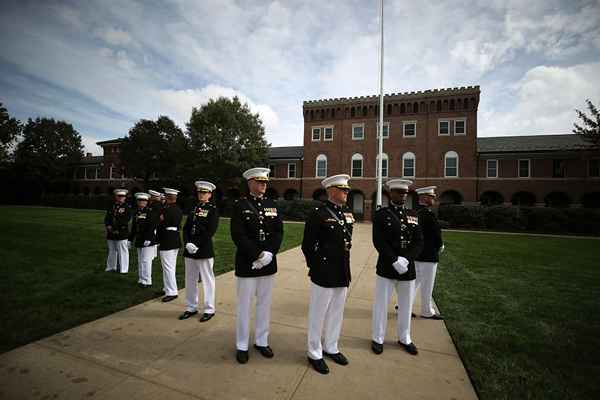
[154,193]
[398,184]
[429,190]
[142,196]
[171,191]
[204,186]
[122,192]
[339,181]
[259,174]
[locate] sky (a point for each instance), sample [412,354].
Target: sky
[102,65]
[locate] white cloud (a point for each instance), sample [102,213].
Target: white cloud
[114,36]
[90,146]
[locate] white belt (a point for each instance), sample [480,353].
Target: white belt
[171,228]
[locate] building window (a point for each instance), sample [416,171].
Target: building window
[443,127]
[321,166]
[408,165]
[451,164]
[384,165]
[316,134]
[594,168]
[409,129]
[460,127]
[291,170]
[492,168]
[386,129]
[358,131]
[558,168]
[272,170]
[357,165]
[524,169]
[328,133]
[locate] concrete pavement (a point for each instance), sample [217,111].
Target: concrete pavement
[145,352]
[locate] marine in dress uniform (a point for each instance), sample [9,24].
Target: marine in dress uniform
[398,240]
[199,228]
[257,231]
[143,237]
[169,242]
[326,247]
[155,205]
[427,261]
[116,222]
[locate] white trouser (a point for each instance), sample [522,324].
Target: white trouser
[425,280]
[325,316]
[117,252]
[145,257]
[261,287]
[383,291]
[202,267]
[168,260]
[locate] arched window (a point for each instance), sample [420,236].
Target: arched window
[384,165]
[451,164]
[415,107]
[408,165]
[357,165]
[321,166]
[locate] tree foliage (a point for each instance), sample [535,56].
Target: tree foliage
[590,128]
[154,147]
[49,150]
[226,138]
[10,129]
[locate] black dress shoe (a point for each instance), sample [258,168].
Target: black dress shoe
[187,314]
[241,356]
[319,365]
[265,351]
[376,347]
[205,317]
[166,299]
[413,315]
[337,358]
[434,316]
[410,348]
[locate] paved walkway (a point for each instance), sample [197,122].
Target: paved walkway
[146,353]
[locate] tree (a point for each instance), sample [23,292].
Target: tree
[591,125]
[154,147]
[10,129]
[49,151]
[226,139]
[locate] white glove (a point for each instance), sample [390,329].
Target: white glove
[191,248]
[146,243]
[257,264]
[129,244]
[401,265]
[442,249]
[266,258]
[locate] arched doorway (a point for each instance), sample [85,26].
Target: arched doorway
[320,195]
[450,197]
[523,199]
[272,193]
[356,202]
[491,198]
[291,194]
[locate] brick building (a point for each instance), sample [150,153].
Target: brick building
[430,137]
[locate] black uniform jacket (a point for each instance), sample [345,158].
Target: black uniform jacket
[326,245]
[117,217]
[199,228]
[396,233]
[250,217]
[143,227]
[432,235]
[168,227]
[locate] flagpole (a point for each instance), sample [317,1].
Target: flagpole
[380,152]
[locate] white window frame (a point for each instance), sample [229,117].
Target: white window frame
[320,157]
[110,171]
[487,168]
[387,167]
[413,157]
[460,120]
[312,134]
[449,154]
[295,172]
[362,125]
[404,129]
[528,168]
[332,132]
[357,157]
[385,124]
[440,121]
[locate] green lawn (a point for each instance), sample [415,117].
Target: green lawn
[524,312]
[52,276]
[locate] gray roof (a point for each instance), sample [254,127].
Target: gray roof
[288,152]
[92,160]
[514,144]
